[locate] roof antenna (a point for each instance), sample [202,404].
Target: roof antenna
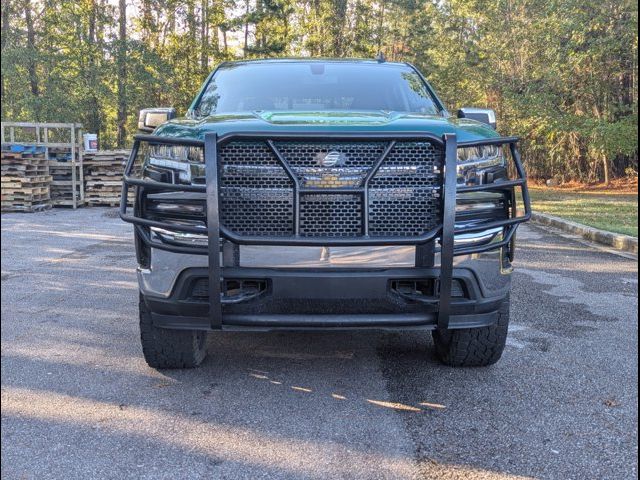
[380,57]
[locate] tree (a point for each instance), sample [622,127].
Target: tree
[562,74]
[122,72]
[32,60]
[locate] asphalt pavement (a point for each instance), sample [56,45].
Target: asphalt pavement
[79,402]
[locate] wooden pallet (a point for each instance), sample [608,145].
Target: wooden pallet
[62,183]
[55,143]
[25,181]
[30,207]
[21,170]
[9,182]
[103,176]
[107,175]
[24,191]
[29,179]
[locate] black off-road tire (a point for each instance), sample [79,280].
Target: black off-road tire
[474,347]
[165,348]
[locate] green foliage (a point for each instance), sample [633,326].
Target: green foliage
[562,74]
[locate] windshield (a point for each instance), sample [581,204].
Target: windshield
[316,87]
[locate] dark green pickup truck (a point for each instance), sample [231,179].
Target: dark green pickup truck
[323,195]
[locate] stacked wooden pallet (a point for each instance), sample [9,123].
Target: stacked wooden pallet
[25,180]
[61,168]
[103,175]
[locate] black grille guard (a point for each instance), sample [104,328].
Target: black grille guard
[445,233]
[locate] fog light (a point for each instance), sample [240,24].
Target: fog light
[180,238]
[457,289]
[191,209]
[470,203]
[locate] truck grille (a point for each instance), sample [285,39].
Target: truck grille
[259,182]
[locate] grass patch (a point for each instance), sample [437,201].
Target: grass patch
[607,211]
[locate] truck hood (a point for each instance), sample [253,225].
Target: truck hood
[329,122]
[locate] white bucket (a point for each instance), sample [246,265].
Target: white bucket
[90,142]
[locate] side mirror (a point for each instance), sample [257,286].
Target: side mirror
[484,115]
[150,118]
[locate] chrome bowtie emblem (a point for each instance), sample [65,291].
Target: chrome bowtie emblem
[331,159]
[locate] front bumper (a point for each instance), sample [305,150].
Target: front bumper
[334,298]
[311,298]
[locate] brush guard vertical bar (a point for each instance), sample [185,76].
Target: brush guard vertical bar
[448,230]
[213,230]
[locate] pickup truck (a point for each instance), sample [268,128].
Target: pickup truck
[320,194]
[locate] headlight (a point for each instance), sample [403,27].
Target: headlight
[174,164]
[485,155]
[480,165]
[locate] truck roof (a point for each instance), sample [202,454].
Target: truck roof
[313,60]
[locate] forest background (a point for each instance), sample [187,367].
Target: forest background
[562,74]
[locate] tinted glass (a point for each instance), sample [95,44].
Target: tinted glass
[315,86]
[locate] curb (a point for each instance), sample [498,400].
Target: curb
[618,241]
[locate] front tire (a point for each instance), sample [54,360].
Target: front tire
[474,347]
[165,348]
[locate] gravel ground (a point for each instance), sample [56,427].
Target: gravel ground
[78,401]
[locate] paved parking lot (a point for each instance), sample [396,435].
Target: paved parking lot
[78,401]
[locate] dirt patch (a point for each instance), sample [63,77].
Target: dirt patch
[618,186]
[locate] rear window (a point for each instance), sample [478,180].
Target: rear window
[316,87]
